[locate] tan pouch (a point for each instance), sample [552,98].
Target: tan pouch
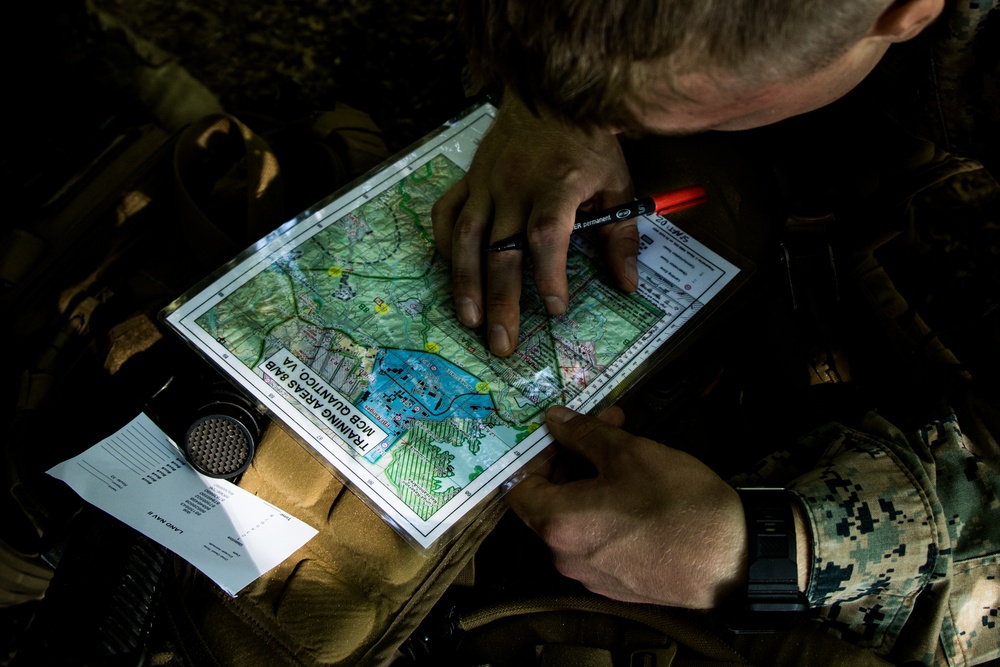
[349,596]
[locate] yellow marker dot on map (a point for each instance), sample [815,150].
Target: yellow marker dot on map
[335,271]
[483,387]
[432,347]
[381,308]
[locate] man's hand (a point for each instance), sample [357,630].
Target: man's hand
[21,578]
[529,174]
[652,524]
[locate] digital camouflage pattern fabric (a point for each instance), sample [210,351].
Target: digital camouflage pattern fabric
[906,538]
[945,85]
[966,66]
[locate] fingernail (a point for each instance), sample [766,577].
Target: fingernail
[555,305]
[499,341]
[560,414]
[468,311]
[632,270]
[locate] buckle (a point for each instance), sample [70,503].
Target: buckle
[809,263]
[660,656]
[812,271]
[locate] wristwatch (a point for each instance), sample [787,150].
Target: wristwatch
[773,602]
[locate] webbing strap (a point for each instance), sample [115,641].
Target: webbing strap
[670,622]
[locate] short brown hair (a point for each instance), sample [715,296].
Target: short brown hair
[587,60]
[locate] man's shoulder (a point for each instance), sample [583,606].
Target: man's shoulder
[945,84]
[965,61]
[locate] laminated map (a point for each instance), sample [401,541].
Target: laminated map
[341,324]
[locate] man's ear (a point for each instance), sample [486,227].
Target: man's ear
[905,19]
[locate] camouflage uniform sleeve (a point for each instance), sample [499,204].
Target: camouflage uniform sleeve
[905,540]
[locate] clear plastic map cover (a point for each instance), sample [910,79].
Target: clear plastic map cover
[341,325]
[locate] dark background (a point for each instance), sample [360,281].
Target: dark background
[399,60]
[68,71]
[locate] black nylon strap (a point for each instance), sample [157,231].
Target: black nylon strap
[773,601]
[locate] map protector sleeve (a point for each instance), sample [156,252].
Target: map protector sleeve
[341,324]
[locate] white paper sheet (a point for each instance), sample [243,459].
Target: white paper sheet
[141,478]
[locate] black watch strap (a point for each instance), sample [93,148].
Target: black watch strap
[773,602]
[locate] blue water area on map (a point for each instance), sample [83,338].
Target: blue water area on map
[420,385]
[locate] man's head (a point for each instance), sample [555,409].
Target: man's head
[680,66]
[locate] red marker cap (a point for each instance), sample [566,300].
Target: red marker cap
[676,200]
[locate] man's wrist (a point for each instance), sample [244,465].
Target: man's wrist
[803,544]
